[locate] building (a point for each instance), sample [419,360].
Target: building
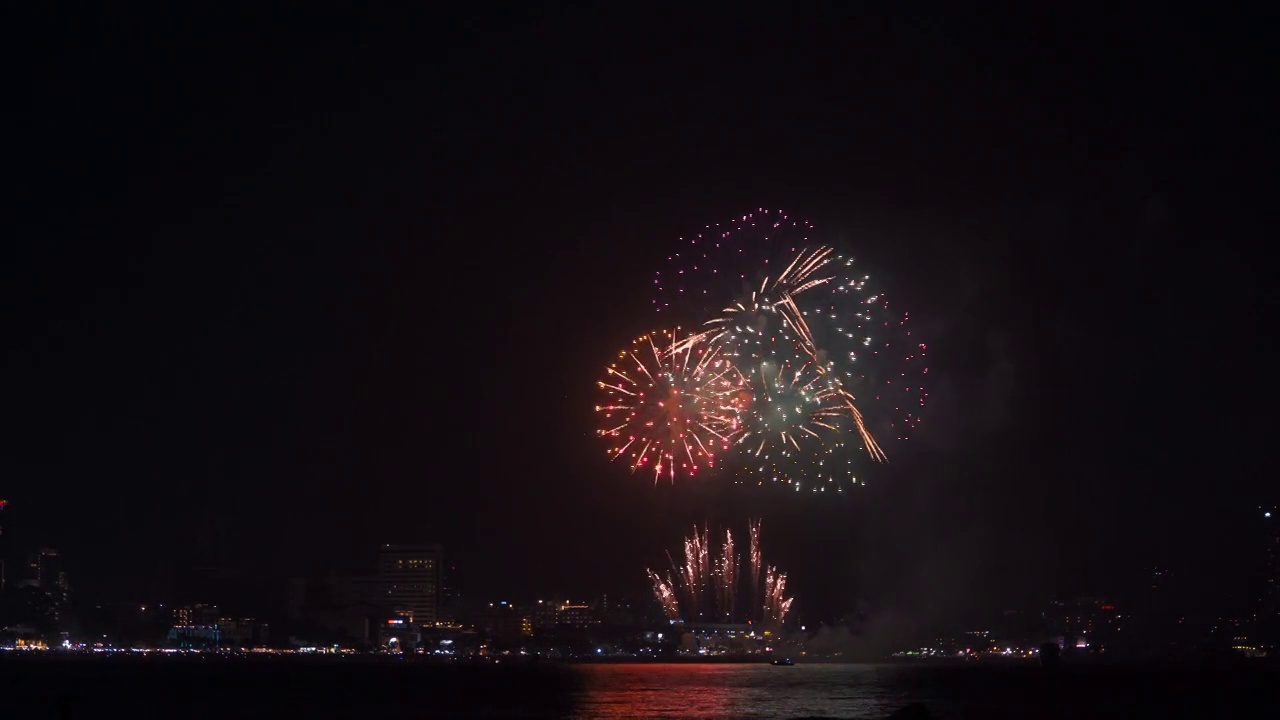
[242,632]
[301,596]
[406,588]
[221,633]
[45,568]
[1084,625]
[195,627]
[3,504]
[197,614]
[345,608]
[502,621]
[1267,602]
[551,615]
[45,572]
[399,634]
[350,590]
[409,580]
[194,637]
[1270,595]
[451,609]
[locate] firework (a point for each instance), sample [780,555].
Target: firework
[726,261]
[665,591]
[825,368]
[868,348]
[727,575]
[755,559]
[669,405]
[696,577]
[709,591]
[776,604]
[797,386]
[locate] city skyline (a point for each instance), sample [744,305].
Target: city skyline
[417,586]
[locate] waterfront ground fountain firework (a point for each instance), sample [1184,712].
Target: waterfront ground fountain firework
[708,586]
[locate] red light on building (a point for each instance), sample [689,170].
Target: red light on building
[1108,607]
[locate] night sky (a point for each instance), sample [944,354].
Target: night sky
[284,285]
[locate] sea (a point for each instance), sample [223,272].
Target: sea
[241,689]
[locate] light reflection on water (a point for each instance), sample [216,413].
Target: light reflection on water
[739,691]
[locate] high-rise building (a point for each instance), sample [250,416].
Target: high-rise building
[450,594]
[349,590]
[1268,600]
[1271,554]
[3,504]
[409,576]
[1159,579]
[45,568]
[350,605]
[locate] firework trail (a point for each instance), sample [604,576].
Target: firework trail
[727,576]
[665,591]
[754,558]
[775,295]
[708,591]
[776,604]
[669,405]
[695,569]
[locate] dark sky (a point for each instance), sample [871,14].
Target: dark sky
[282,285]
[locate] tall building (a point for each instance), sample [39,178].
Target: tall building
[45,568]
[409,576]
[3,504]
[1268,599]
[347,606]
[1159,580]
[1271,554]
[348,590]
[450,595]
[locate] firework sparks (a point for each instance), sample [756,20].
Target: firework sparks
[881,362]
[669,405]
[695,567]
[727,576]
[770,330]
[793,408]
[825,367]
[755,558]
[665,591]
[709,592]
[776,604]
[727,260]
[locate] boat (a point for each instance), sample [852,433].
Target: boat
[783,662]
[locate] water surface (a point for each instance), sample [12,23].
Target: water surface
[972,690]
[389,689]
[740,691]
